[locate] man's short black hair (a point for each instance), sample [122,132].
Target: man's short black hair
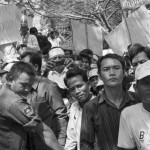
[86,52]
[18,68]
[35,58]
[74,72]
[113,56]
[33,30]
[137,48]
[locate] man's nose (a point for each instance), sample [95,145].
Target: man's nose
[112,71]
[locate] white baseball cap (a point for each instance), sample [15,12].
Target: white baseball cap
[142,70]
[56,51]
[92,73]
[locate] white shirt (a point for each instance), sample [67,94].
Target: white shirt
[55,42]
[134,130]
[74,127]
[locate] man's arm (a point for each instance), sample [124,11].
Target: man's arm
[56,102]
[87,136]
[125,137]
[22,113]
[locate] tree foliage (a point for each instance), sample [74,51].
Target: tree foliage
[57,13]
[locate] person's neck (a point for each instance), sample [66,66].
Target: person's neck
[146,106]
[89,97]
[114,94]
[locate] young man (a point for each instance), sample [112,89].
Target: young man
[77,82]
[47,101]
[43,42]
[134,131]
[100,116]
[16,114]
[138,54]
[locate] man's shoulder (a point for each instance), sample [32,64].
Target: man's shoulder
[132,110]
[94,102]
[46,82]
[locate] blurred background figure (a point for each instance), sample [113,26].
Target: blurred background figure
[55,39]
[94,79]
[43,42]
[27,42]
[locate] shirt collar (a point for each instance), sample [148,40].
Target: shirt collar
[126,99]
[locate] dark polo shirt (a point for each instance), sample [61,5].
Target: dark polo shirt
[100,118]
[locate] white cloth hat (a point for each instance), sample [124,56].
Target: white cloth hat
[142,70]
[56,51]
[92,73]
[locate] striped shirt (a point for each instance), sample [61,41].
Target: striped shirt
[100,118]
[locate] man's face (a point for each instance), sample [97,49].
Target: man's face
[22,85]
[140,58]
[24,30]
[68,54]
[143,89]
[78,88]
[111,72]
[94,80]
[85,64]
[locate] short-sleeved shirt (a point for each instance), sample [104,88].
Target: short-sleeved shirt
[16,115]
[134,128]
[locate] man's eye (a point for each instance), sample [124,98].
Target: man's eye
[134,65]
[117,68]
[79,86]
[105,69]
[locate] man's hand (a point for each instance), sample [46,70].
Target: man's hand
[68,62]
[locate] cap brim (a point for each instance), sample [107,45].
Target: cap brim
[143,75]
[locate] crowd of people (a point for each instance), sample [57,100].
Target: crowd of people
[53,99]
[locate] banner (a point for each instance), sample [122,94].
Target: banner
[9,24]
[133,4]
[87,37]
[139,29]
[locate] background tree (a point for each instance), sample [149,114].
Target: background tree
[56,14]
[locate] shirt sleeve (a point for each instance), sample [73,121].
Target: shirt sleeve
[56,102]
[71,140]
[125,137]
[87,136]
[22,113]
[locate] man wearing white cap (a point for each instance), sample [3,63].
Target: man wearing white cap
[134,131]
[94,79]
[28,42]
[58,73]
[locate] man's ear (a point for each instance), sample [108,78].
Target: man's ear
[36,67]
